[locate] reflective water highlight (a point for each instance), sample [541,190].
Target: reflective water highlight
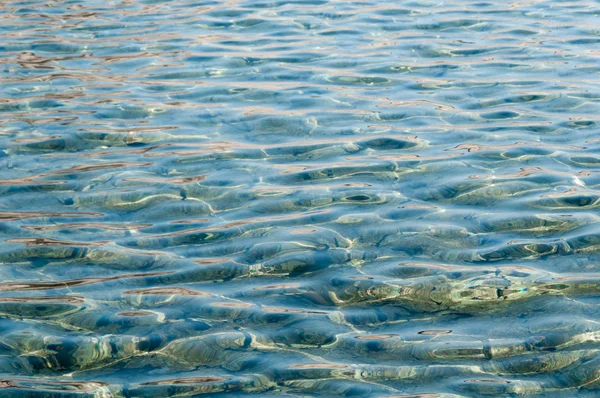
[299,198]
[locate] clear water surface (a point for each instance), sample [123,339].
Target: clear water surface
[299,198]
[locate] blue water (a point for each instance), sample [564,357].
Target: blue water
[299,198]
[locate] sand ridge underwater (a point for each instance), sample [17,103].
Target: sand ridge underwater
[299,198]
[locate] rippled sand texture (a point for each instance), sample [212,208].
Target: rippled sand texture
[299,198]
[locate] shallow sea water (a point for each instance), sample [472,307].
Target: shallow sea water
[299,198]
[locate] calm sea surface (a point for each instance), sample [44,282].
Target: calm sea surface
[299,198]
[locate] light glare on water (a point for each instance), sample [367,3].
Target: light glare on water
[299,198]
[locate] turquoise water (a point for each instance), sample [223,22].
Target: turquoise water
[299,198]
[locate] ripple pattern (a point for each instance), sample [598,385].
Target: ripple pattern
[299,198]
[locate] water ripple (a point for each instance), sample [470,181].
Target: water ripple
[307,198]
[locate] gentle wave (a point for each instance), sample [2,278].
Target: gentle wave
[300,198]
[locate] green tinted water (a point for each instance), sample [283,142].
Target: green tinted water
[299,198]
